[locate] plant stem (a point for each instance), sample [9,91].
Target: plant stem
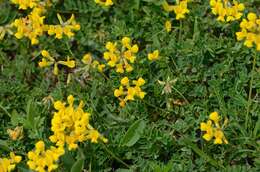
[249,102]
[68,47]
[180,31]
[114,156]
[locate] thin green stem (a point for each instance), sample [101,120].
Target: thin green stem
[249,101]
[180,31]
[181,94]
[68,47]
[156,107]
[114,156]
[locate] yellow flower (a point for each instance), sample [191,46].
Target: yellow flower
[219,137]
[31,26]
[214,130]
[214,117]
[45,63]
[65,28]
[104,2]
[41,159]
[126,41]
[154,55]
[123,59]
[226,10]
[87,58]
[168,26]
[250,28]
[180,9]
[69,63]
[7,165]
[128,92]
[48,60]
[119,92]
[24,4]
[140,82]
[71,125]
[93,136]
[209,130]
[125,81]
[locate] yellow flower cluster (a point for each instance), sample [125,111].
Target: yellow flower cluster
[33,26]
[213,129]
[7,165]
[24,4]
[48,60]
[88,60]
[65,28]
[121,59]
[180,9]
[104,2]
[154,55]
[126,92]
[42,160]
[250,31]
[226,10]
[71,125]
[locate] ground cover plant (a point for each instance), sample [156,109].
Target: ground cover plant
[129,85]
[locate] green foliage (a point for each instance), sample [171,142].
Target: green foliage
[160,133]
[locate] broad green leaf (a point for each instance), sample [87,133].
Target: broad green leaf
[134,133]
[78,166]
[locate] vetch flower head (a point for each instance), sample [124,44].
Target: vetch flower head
[48,60]
[128,92]
[41,159]
[250,31]
[70,125]
[31,26]
[65,28]
[227,10]
[24,4]
[121,59]
[8,164]
[212,129]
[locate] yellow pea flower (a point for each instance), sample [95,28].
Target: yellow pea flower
[104,2]
[69,63]
[214,130]
[154,55]
[125,81]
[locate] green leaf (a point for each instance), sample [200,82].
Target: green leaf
[78,166]
[4,145]
[134,133]
[201,153]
